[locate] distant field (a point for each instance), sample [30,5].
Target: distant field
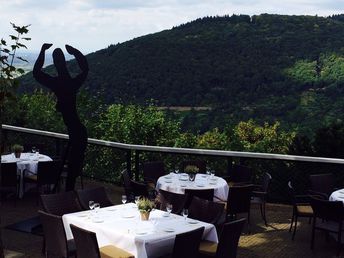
[181,109]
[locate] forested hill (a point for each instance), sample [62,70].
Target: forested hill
[266,67]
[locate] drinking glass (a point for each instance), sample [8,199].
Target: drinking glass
[137,198]
[185,213]
[169,208]
[96,207]
[124,199]
[91,205]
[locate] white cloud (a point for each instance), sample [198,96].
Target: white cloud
[91,25]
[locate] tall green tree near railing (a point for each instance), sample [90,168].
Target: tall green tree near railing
[8,72]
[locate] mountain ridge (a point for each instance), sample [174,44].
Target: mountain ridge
[267,67]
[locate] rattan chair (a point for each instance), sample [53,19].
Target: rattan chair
[187,244]
[301,207]
[228,242]
[152,171]
[321,184]
[260,193]
[97,194]
[240,174]
[178,201]
[9,180]
[206,194]
[126,181]
[207,211]
[60,203]
[87,246]
[331,215]
[239,201]
[56,243]
[48,174]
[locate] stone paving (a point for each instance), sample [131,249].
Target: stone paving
[272,241]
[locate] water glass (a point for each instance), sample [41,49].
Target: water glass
[137,198]
[124,199]
[91,205]
[96,207]
[185,213]
[169,208]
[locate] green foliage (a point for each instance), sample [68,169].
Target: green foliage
[243,67]
[248,136]
[8,72]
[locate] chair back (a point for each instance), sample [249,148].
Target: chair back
[239,199]
[322,183]
[48,172]
[126,178]
[266,182]
[201,164]
[206,211]
[153,170]
[139,189]
[241,174]
[178,201]
[187,244]
[97,194]
[206,194]
[54,235]
[9,177]
[327,210]
[229,239]
[86,243]
[60,203]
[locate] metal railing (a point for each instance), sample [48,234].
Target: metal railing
[136,150]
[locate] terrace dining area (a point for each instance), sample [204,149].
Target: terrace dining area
[190,211]
[271,240]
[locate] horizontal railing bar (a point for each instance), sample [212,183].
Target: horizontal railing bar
[176,150]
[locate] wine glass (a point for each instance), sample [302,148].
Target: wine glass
[91,205]
[185,213]
[96,207]
[124,199]
[169,208]
[33,149]
[137,198]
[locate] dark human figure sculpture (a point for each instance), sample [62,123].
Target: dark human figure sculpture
[66,88]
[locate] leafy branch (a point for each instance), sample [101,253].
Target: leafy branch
[8,52]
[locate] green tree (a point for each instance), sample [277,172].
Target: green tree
[8,72]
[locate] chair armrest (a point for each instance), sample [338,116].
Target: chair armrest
[320,195]
[259,194]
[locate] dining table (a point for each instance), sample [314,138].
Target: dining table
[178,182]
[27,161]
[121,225]
[337,195]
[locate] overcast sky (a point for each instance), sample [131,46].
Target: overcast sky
[90,25]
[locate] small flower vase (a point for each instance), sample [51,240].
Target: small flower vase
[144,215]
[17,154]
[192,176]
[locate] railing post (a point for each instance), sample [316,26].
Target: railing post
[58,147]
[137,164]
[129,162]
[229,165]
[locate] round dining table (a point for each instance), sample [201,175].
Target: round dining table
[177,183]
[27,161]
[337,195]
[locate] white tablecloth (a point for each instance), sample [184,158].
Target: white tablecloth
[26,161]
[337,195]
[178,182]
[121,226]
